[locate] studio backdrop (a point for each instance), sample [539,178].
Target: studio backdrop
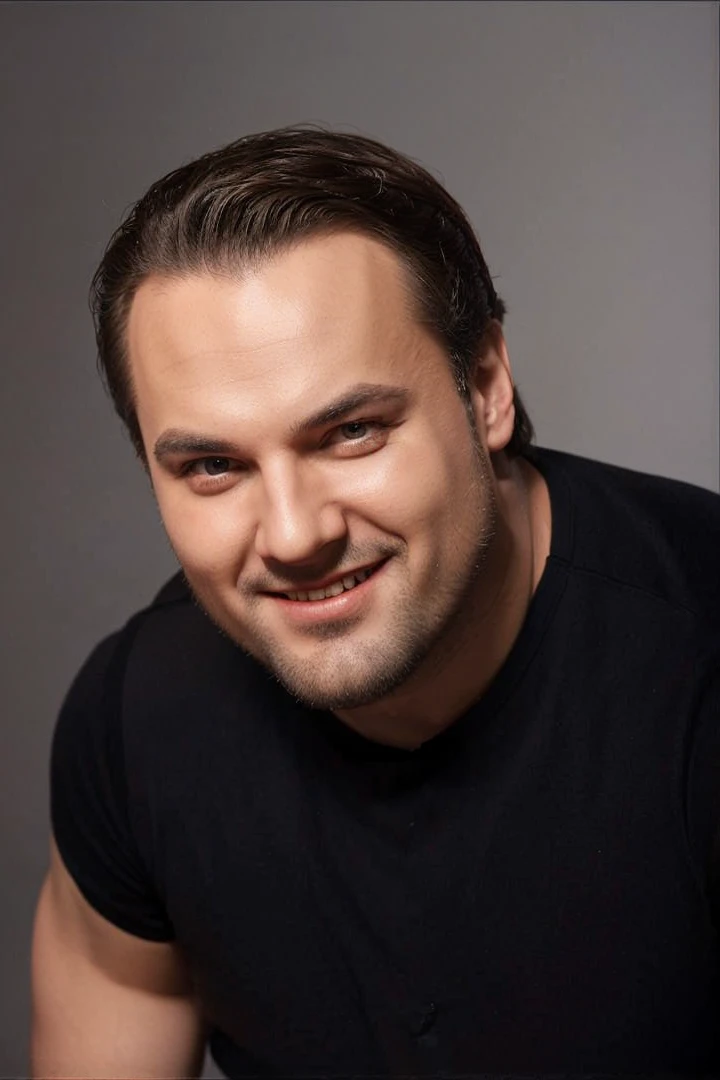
[582,138]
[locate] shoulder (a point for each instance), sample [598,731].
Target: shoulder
[658,535]
[168,657]
[173,625]
[155,696]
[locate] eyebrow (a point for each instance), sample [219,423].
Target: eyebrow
[355,398]
[176,441]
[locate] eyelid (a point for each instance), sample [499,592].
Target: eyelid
[373,425]
[189,468]
[373,439]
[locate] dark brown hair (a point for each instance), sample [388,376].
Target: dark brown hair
[237,205]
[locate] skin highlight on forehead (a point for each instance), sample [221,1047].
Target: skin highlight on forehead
[329,286]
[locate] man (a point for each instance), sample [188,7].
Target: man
[410,773]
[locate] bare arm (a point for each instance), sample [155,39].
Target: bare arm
[106,1003]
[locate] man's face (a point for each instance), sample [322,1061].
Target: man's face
[321,481]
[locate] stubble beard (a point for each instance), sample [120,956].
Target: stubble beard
[358,674]
[355,673]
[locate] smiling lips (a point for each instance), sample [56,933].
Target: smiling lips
[344,584]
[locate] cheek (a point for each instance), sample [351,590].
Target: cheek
[397,491]
[206,534]
[432,478]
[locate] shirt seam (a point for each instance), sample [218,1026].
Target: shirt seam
[677,605]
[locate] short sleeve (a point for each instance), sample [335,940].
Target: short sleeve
[88,797]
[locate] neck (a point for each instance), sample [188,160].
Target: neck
[463,664]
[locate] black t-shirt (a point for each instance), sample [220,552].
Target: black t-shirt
[527,893]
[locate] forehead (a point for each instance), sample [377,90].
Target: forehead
[289,332]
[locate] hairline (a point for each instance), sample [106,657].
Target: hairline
[224,267]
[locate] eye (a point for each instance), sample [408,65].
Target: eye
[211,475]
[358,437]
[355,429]
[214,466]
[207,466]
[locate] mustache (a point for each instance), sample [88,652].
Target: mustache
[293,578]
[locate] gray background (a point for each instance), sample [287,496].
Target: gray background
[582,139]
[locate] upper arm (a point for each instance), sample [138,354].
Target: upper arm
[105,1002]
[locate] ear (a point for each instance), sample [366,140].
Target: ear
[491,390]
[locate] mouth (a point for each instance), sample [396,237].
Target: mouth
[337,586]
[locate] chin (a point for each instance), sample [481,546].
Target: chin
[354,677]
[333,698]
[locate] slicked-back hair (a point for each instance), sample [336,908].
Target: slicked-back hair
[234,207]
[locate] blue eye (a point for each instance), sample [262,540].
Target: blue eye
[356,438]
[356,429]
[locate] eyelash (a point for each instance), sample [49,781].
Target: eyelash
[375,427]
[192,468]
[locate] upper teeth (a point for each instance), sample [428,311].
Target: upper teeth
[348,582]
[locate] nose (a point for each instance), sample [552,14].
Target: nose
[297,516]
